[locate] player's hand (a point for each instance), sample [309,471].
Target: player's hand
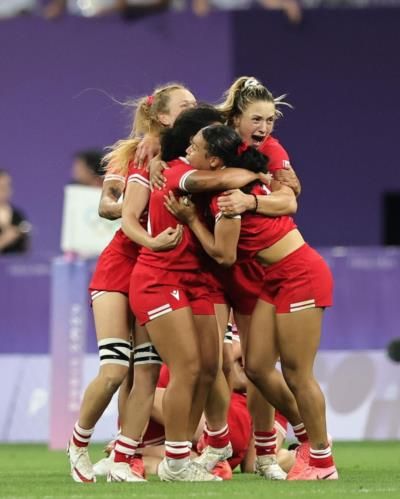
[156,168]
[235,202]
[288,177]
[148,147]
[184,210]
[265,178]
[167,239]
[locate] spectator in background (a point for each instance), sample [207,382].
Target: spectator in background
[14,228]
[12,8]
[291,8]
[127,8]
[87,168]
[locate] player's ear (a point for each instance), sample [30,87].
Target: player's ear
[164,119]
[215,162]
[236,121]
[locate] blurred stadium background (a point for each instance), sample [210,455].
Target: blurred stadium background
[339,66]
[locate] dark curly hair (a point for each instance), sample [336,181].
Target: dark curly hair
[223,142]
[175,140]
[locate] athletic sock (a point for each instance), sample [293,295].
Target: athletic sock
[300,433]
[177,454]
[265,442]
[321,458]
[218,438]
[80,436]
[125,448]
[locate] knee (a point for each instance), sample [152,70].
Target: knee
[188,370]
[113,376]
[146,375]
[209,370]
[294,378]
[253,371]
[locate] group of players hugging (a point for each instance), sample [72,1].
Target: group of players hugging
[207,239]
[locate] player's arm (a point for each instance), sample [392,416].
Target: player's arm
[208,180]
[287,176]
[113,187]
[222,245]
[147,149]
[135,202]
[280,202]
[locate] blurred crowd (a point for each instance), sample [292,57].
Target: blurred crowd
[131,9]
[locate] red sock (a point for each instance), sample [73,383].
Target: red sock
[265,442]
[300,433]
[218,438]
[80,436]
[322,458]
[177,450]
[125,448]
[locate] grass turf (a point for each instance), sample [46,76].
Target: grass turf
[366,469]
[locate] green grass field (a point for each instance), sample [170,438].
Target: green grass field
[366,469]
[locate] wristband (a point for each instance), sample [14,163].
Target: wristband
[254,210]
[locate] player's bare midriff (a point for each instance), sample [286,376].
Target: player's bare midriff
[292,241]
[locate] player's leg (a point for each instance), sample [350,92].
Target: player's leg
[299,337]
[214,397]
[113,324]
[262,412]
[177,341]
[138,407]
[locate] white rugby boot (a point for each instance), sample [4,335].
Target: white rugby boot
[268,468]
[81,466]
[122,472]
[211,456]
[191,472]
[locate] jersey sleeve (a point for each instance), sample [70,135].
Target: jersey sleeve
[115,175]
[216,212]
[278,159]
[177,175]
[139,176]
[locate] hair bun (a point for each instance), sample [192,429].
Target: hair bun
[251,82]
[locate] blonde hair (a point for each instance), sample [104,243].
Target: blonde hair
[145,120]
[243,92]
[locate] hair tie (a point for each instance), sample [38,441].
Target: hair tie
[242,148]
[251,82]
[150,100]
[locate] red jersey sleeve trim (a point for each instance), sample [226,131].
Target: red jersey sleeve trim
[113,176]
[183,180]
[220,215]
[139,179]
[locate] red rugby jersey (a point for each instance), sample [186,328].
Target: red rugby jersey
[120,242]
[277,155]
[257,231]
[185,256]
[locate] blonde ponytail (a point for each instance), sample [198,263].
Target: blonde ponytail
[145,121]
[243,92]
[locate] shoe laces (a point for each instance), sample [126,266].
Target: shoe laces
[197,471]
[266,461]
[82,457]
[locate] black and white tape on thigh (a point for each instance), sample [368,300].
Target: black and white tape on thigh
[114,351]
[146,354]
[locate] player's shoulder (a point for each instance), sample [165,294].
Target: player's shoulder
[271,144]
[139,175]
[179,163]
